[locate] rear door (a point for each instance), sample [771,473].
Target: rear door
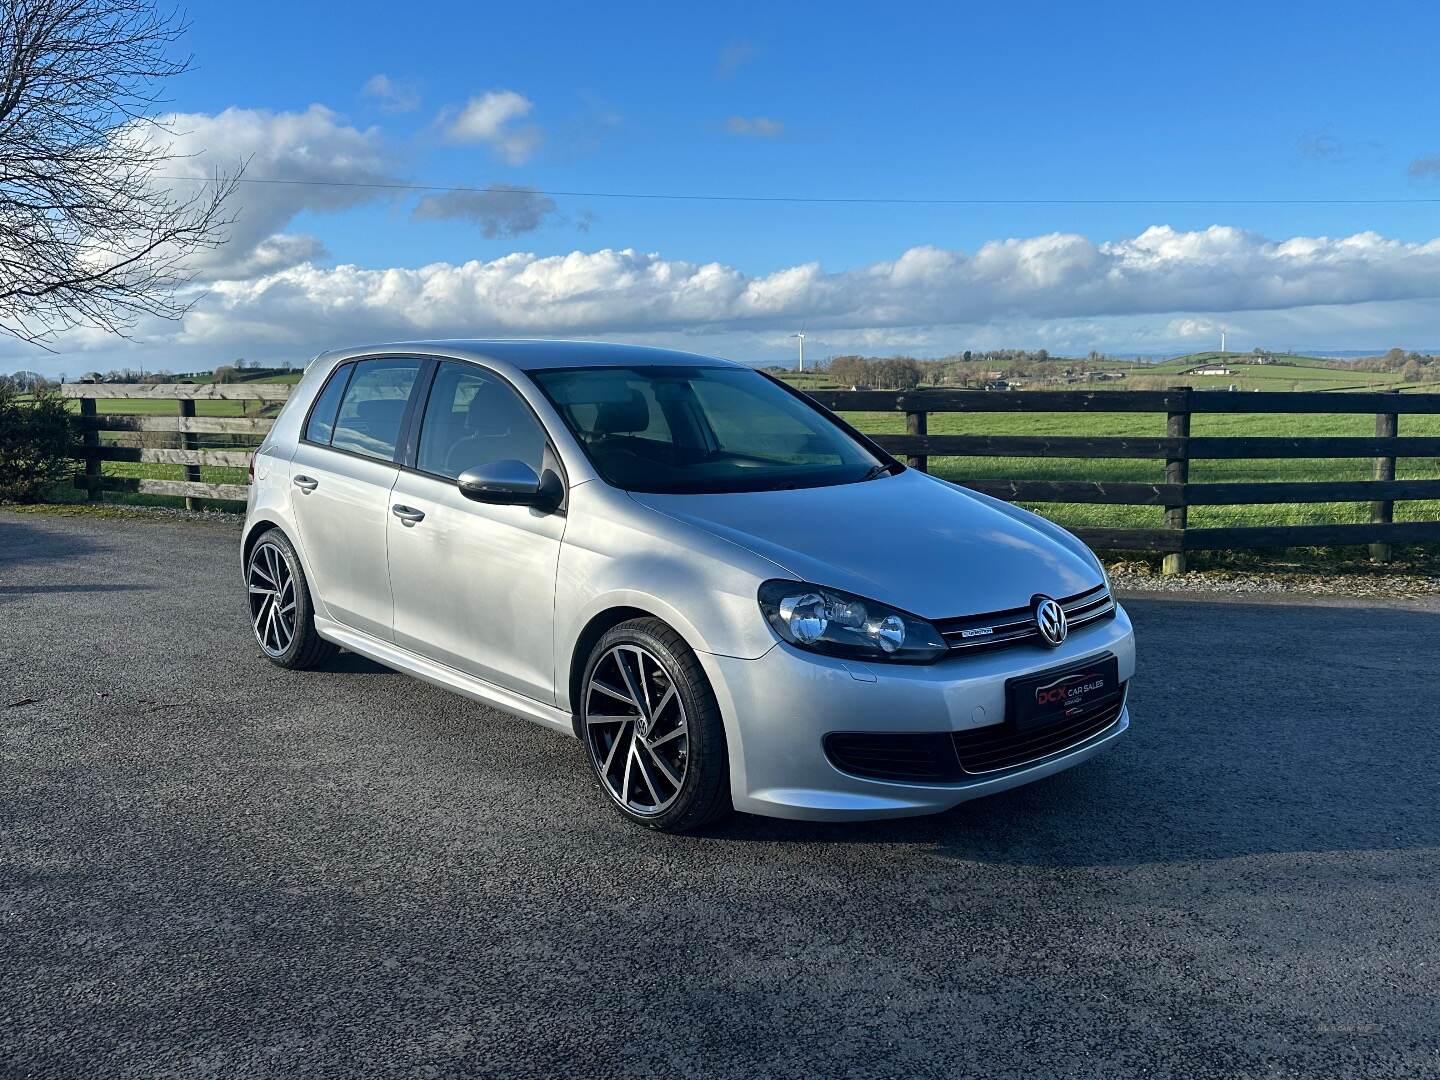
[474,584]
[341,476]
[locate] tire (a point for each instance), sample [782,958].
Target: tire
[273,569]
[679,735]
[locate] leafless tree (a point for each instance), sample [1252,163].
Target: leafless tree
[90,234]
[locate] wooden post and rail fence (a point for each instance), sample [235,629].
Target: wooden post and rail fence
[126,435]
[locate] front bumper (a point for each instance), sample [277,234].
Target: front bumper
[779,708]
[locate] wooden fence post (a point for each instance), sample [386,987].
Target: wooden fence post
[189,441]
[91,438]
[1177,471]
[1383,511]
[918,423]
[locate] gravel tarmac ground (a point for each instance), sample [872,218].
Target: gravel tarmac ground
[213,867]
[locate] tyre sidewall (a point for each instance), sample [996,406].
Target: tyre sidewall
[708,764]
[304,614]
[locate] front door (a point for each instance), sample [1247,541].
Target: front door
[340,481]
[474,584]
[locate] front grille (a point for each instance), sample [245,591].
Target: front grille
[1016,626]
[1001,746]
[937,757]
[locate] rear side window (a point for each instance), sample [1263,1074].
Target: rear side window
[373,409]
[322,416]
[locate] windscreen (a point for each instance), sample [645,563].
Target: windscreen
[692,430]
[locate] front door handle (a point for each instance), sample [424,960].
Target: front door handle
[408,514]
[306,484]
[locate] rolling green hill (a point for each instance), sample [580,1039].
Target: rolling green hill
[1284,371]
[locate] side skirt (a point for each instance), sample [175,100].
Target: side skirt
[447,678]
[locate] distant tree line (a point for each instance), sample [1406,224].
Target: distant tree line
[1410,366]
[969,368]
[26,382]
[881,373]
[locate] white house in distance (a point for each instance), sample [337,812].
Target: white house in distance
[1209,369]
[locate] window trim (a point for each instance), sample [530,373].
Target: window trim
[408,447]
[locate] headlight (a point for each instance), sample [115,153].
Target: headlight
[834,622]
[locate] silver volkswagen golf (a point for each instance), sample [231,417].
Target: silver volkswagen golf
[730,596]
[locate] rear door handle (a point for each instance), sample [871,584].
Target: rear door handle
[306,484]
[408,514]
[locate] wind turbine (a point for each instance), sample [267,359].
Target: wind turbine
[801,336]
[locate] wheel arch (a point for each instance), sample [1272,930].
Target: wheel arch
[253,531]
[262,524]
[597,627]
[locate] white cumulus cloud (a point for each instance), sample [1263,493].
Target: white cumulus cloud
[313,153]
[494,119]
[1161,289]
[1056,276]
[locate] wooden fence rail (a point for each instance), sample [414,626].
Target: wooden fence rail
[185,428]
[1177,448]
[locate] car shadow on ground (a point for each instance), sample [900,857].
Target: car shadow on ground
[23,540]
[349,663]
[30,545]
[1277,729]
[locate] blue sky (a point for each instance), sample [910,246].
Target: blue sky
[1118,102]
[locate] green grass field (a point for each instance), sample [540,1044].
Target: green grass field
[1140,470]
[1288,373]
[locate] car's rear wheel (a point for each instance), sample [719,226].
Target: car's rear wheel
[652,728]
[281,612]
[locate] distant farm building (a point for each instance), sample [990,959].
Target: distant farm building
[1209,369]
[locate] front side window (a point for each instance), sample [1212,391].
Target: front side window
[691,430]
[475,418]
[373,409]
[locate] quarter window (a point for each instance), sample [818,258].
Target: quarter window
[322,416]
[373,410]
[474,418]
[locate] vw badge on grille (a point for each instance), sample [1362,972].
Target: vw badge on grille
[1050,621]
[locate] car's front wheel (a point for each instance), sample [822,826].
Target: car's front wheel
[652,728]
[280,608]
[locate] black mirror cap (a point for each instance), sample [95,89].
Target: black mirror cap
[551,492]
[512,483]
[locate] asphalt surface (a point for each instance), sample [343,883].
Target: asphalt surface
[212,867]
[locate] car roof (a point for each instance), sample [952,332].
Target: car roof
[537,354]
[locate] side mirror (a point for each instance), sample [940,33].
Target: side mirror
[508,483]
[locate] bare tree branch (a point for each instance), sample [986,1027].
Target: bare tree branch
[89,234]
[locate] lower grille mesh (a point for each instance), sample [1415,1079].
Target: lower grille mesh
[937,757]
[919,757]
[990,749]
